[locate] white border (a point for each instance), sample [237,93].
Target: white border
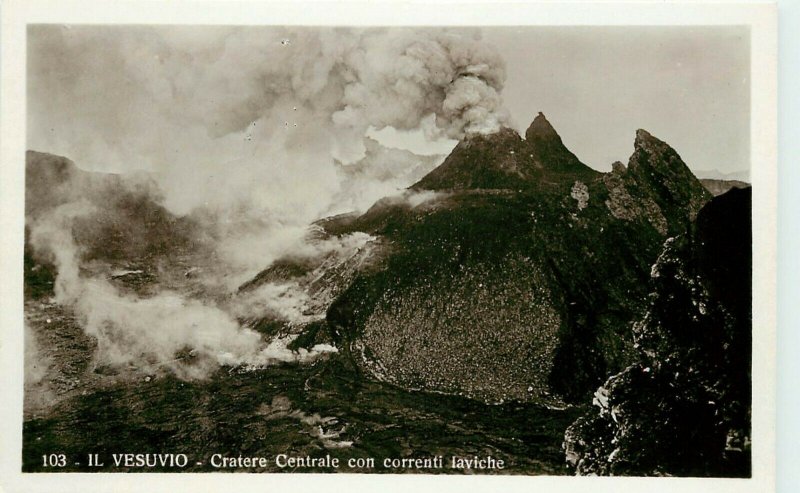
[788,403]
[761,18]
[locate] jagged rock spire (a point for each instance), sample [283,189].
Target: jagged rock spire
[549,151]
[541,129]
[658,168]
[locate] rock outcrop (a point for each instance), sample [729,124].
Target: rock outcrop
[656,186]
[683,407]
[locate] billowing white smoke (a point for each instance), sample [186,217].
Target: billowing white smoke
[148,333]
[250,130]
[248,124]
[380,173]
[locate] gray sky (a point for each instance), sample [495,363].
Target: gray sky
[688,86]
[106,97]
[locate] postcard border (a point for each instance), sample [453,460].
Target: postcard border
[762,19]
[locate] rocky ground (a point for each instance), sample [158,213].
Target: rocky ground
[314,410]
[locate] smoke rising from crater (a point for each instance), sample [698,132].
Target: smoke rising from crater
[249,123]
[252,133]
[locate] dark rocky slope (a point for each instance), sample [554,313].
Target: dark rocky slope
[683,407]
[518,278]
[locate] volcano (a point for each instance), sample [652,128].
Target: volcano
[497,293]
[516,272]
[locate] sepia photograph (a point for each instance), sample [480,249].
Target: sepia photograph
[505,250]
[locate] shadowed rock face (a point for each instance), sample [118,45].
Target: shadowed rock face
[520,279]
[660,172]
[683,407]
[549,152]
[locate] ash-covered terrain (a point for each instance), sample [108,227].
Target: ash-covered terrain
[476,313]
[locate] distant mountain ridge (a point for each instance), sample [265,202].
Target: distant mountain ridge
[715,174]
[718,187]
[122,222]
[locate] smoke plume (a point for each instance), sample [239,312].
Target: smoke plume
[253,134]
[238,120]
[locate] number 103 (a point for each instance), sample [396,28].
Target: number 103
[54,460]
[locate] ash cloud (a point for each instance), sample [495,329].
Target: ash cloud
[250,135]
[238,118]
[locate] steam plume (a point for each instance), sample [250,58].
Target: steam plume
[253,133]
[237,120]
